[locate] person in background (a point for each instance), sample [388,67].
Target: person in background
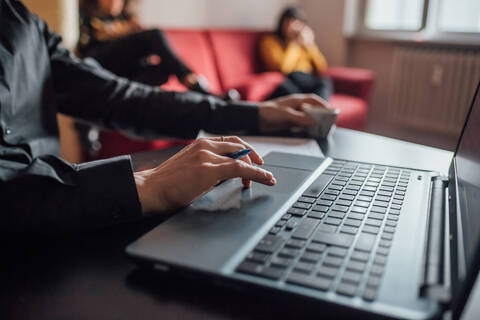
[110,35]
[291,49]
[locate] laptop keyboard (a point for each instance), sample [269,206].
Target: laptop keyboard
[338,234]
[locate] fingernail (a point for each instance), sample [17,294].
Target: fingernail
[268,175]
[273,181]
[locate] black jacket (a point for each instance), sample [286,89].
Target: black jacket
[38,78]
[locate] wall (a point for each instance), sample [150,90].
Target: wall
[253,14]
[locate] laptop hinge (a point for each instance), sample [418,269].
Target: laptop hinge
[436,282]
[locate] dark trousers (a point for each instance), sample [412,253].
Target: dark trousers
[300,82]
[127,57]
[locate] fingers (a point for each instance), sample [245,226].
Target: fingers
[299,118]
[234,169]
[224,145]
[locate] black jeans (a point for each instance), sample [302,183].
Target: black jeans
[300,82]
[126,57]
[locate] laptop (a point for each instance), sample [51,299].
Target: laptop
[352,238]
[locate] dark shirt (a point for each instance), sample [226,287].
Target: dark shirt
[38,78]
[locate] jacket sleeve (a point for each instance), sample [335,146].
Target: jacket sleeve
[49,195]
[86,91]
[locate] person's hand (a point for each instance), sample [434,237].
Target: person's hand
[286,112]
[306,37]
[293,28]
[195,170]
[190,80]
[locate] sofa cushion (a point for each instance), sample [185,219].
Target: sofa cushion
[235,53]
[353,111]
[194,49]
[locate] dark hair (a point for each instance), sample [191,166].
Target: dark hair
[91,7]
[289,12]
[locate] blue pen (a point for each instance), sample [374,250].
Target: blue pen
[238,154]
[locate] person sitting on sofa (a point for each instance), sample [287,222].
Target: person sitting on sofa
[291,49]
[110,35]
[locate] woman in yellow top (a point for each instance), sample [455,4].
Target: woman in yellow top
[292,51]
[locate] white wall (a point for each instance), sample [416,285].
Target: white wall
[251,14]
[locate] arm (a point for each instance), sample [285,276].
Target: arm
[317,58]
[277,58]
[85,90]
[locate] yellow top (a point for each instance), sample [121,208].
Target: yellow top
[293,57]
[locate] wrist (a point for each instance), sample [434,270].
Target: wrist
[150,200]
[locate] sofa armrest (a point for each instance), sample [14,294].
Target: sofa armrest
[352,81]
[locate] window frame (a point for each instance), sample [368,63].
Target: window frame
[429,32]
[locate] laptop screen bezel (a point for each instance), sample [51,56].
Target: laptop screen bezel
[463,277]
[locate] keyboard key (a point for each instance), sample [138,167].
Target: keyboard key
[345,203]
[291,225]
[296,244]
[366,193]
[356,266]
[382,198]
[327,272]
[376,216]
[390,223]
[326,203]
[370,229]
[360,256]
[337,252]
[304,267]
[257,257]
[332,262]
[387,236]
[380,260]
[340,208]
[351,277]
[335,187]
[316,247]
[353,223]
[389,229]
[356,216]
[306,200]
[392,217]
[332,221]
[395,206]
[365,198]
[327,228]
[308,281]
[311,257]
[317,186]
[316,215]
[280,223]
[385,243]
[376,270]
[288,253]
[305,228]
[378,209]
[362,204]
[383,251]
[297,212]
[348,197]
[286,216]
[359,210]
[350,192]
[385,193]
[279,262]
[346,289]
[365,242]
[332,192]
[269,244]
[320,208]
[374,282]
[302,205]
[336,214]
[373,223]
[369,294]
[335,239]
[328,197]
[275,230]
[380,204]
[261,271]
[349,230]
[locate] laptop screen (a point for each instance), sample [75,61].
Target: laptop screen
[468,177]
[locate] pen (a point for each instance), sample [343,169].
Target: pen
[238,154]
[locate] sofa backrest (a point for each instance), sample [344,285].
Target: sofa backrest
[235,53]
[194,49]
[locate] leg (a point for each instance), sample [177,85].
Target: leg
[285,88]
[324,88]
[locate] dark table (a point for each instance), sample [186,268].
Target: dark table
[87,276]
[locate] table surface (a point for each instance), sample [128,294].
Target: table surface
[88,275]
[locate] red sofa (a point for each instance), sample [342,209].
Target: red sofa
[228,59]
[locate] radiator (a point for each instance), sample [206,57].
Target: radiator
[432,88]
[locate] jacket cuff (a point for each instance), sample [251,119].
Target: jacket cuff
[237,117]
[108,186]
